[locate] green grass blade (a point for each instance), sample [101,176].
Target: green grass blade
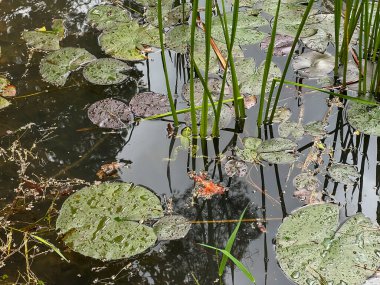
[268,61]
[52,246]
[161,32]
[230,242]
[287,64]
[195,279]
[234,260]
[337,18]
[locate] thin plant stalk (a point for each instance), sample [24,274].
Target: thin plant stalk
[287,64]
[337,11]
[268,61]
[208,24]
[161,32]
[194,126]
[345,43]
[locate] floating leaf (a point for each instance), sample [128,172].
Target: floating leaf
[281,114]
[45,41]
[246,33]
[171,16]
[291,129]
[276,145]
[4,82]
[311,248]
[110,113]
[126,41]
[171,227]
[102,221]
[278,157]
[4,103]
[306,186]
[236,167]
[344,173]
[252,143]
[104,17]
[204,186]
[214,86]
[364,118]
[58,27]
[148,104]
[282,44]
[314,64]
[106,71]
[57,65]
[250,101]
[316,129]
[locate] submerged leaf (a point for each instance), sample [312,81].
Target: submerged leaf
[316,129]
[344,173]
[291,129]
[314,64]
[171,227]
[106,71]
[364,118]
[110,113]
[56,67]
[171,16]
[148,104]
[281,114]
[306,186]
[311,248]
[282,44]
[236,167]
[102,221]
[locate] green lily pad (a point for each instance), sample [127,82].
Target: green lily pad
[316,129]
[171,16]
[344,173]
[311,248]
[148,3]
[104,17]
[214,86]
[148,104]
[106,71]
[171,227]
[306,181]
[364,118]
[276,145]
[110,113]
[314,64]
[56,67]
[291,129]
[4,103]
[45,41]
[126,41]
[278,157]
[252,143]
[102,221]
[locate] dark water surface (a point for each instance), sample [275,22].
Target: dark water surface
[75,149]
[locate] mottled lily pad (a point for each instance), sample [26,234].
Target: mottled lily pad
[316,129]
[278,157]
[236,167]
[275,145]
[147,104]
[171,16]
[344,173]
[214,86]
[106,71]
[311,247]
[281,114]
[291,129]
[4,103]
[104,17]
[127,41]
[56,67]
[45,41]
[364,118]
[104,221]
[282,44]
[306,186]
[110,113]
[314,64]
[171,227]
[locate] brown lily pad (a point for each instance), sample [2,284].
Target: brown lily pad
[148,104]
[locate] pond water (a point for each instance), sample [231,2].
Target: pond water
[52,123]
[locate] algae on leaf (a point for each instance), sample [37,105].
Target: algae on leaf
[104,221]
[344,173]
[364,118]
[104,17]
[311,247]
[56,67]
[106,71]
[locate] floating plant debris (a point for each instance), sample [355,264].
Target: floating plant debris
[312,246]
[204,186]
[104,221]
[235,167]
[110,113]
